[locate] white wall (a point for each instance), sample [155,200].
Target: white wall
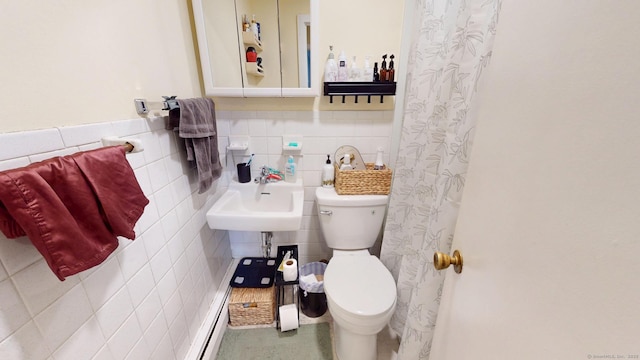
[68,62]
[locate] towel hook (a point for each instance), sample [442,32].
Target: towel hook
[143,106]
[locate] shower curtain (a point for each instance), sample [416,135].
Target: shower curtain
[449,50]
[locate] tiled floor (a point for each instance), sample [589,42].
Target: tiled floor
[387,343]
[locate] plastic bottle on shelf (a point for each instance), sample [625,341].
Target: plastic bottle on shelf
[331,68]
[252,55]
[255,27]
[367,71]
[245,23]
[343,73]
[354,71]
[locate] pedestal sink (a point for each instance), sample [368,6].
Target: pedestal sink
[258,207]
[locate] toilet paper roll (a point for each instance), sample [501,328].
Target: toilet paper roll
[290,271]
[288,317]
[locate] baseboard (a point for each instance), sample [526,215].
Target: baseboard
[208,339]
[218,332]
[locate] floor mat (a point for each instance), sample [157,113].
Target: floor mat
[309,342]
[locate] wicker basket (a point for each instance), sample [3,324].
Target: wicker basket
[252,306]
[363,182]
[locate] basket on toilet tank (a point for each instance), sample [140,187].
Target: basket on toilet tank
[313,300]
[363,182]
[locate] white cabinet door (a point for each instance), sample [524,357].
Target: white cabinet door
[549,225]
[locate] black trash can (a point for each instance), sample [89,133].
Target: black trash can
[313,301]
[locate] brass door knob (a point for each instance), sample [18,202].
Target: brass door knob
[442,261]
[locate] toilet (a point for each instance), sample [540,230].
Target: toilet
[360,290]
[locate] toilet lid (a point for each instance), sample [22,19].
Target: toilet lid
[360,284]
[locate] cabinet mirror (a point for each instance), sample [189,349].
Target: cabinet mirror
[288,38]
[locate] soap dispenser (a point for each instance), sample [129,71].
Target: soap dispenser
[290,172]
[328,175]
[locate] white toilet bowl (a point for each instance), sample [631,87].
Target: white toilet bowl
[361,295]
[361,292]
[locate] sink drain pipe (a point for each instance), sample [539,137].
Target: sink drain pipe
[266,243]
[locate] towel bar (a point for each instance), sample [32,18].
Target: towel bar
[130,145]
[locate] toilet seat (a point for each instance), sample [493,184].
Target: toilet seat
[360,285]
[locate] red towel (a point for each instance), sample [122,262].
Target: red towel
[72,208]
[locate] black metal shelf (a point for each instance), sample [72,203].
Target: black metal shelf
[356,89]
[281,284]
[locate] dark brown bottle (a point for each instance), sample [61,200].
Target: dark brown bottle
[391,72]
[384,75]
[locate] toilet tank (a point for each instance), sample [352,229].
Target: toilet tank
[350,222]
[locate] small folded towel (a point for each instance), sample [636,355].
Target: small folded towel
[196,123]
[72,208]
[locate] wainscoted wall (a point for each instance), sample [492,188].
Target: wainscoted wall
[150,298]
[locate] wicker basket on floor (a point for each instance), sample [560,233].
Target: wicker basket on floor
[363,182]
[252,306]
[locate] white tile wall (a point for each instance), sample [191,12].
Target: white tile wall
[121,308]
[114,312]
[149,298]
[323,132]
[14,312]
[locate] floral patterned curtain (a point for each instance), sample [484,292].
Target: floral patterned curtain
[450,49]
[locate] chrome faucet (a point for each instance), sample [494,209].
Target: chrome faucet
[264,175]
[268,175]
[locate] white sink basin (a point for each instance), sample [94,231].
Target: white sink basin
[258,207]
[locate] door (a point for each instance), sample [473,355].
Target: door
[549,225]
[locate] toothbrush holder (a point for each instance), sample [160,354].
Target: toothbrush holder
[244,172]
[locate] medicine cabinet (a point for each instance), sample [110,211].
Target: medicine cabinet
[288,47]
